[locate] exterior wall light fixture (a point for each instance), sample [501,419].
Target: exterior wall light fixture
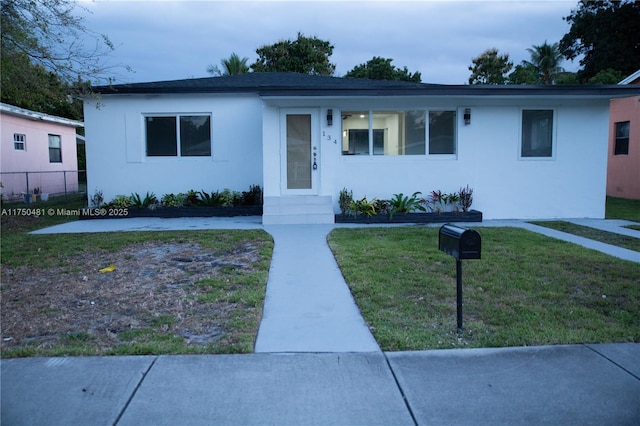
[467,116]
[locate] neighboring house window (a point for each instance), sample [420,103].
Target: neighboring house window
[537,133]
[19,141]
[622,139]
[178,135]
[394,133]
[55,153]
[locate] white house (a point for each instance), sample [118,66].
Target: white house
[38,151]
[527,151]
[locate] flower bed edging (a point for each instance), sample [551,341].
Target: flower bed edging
[170,212]
[443,217]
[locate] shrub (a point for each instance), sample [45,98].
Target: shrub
[213,199]
[404,204]
[230,198]
[382,206]
[97,199]
[345,200]
[364,206]
[191,198]
[436,201]
[121,202]
[253,197]
[149,200]
[173,200]
[466,198]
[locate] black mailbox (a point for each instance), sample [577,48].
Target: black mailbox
[459,242]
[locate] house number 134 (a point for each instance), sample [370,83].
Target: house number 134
[325,135]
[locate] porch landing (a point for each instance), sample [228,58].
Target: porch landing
[299,209]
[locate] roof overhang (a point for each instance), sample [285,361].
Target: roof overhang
[467,91]
[268,85]
[38,116]
[630,79]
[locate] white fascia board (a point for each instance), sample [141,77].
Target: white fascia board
[629,79]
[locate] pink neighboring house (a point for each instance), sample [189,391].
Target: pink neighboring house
[623,165]
[36,142]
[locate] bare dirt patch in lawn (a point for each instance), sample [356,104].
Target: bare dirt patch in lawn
[155,286]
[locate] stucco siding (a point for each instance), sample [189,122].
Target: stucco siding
[247,149]
[623,173]
[35,156]
[570,184]
[116,146]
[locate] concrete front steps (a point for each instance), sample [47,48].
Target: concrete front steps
[299,209]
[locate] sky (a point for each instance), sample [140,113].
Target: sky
[172,40]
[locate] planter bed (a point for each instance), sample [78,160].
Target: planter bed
[170,212]
[444,217]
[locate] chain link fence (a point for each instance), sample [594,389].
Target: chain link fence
[39,186]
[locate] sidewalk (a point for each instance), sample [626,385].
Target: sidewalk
[317,363]
[555,385]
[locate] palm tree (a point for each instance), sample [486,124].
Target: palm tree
[233,65]
[546,59]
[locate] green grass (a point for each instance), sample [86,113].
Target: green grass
[237,294]
[634,227]
[526,290]
[621,208]
[630,243]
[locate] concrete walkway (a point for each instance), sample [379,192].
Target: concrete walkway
[308,305]
[619,252]
[615,226]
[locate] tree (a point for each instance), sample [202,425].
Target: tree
[490,68]
[524,74]
[606,34]
[306,55]
[33,87]
[381,69]
[231,66]
[567,77]
[545,59]
[44,52]
[608,76]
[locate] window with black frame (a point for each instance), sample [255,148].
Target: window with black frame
[178,135]
[622,138]
[537,134]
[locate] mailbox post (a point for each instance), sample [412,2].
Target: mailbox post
[460,243]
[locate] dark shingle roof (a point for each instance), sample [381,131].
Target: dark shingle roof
[293,84]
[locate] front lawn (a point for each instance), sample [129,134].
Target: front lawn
[130,293]
[526,290]
[621,208]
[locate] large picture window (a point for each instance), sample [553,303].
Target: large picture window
[537,134]
[178,135]
[383,133]
[622,139]
[55,149]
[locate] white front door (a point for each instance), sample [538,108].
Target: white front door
[300,155]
